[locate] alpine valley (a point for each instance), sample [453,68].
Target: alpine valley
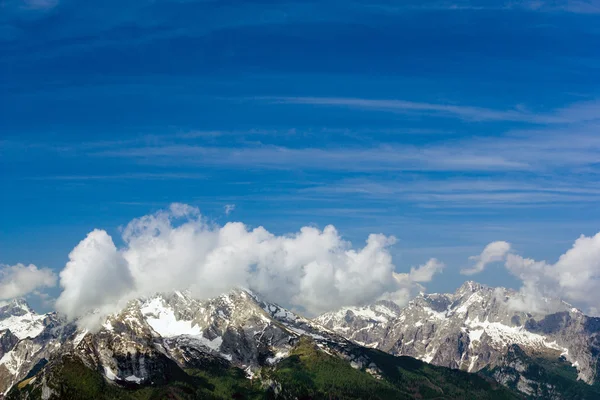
[471,344]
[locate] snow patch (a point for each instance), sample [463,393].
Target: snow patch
[10,362]
[133,378]
[504,335]
[109,373]
[474,298]
[472,363]
[475,336]
[214,344]
[164,322]
[108,326]
[435,314]
[278,356]
[303,332]
[280,313]
[79,337]
[24,326]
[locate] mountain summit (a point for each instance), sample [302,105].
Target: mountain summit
[478,329]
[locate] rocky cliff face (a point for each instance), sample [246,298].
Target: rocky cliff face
[473,329]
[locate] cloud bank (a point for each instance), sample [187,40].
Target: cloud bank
[20,280]
[311,270]
[575,277]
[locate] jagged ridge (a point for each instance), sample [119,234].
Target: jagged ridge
[153,341]
[472,330]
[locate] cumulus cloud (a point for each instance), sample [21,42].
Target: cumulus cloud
[409,284]
[312,270]
[575,277]
[425,272]
[20,280]
[493,252]
[96,278]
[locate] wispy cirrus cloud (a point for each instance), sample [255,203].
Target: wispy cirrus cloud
[127,176]
[576,113]
[563,147]
[40,4]
[569,6]
[469,193]
[357,159]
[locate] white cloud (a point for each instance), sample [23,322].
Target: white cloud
[179,210]
[409,284]
[19,280]
[42,5]
[423,273]
[575,277]
[96,278]
[229,208]
[493,252]
[578,112]
[314,270]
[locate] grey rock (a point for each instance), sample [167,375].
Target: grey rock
[472,329]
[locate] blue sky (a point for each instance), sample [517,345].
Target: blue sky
[446,124]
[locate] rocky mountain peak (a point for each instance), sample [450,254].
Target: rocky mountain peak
[21,320]
[470,287]
[474,327]
[15,308]
[237,327]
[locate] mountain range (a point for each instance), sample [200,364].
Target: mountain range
[474,343]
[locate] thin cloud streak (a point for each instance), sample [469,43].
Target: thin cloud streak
[567,6]
[461,192]
[575,113]
[275,157]
[568,148]
[131,176]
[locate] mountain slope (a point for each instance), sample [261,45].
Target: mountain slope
[25,339]
[309,372]
[473,330]
[172,345]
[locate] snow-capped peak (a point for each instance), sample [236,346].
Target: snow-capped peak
[15,307]
[21,320]
[471,328]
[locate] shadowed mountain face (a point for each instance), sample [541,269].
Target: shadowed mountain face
[475,329]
